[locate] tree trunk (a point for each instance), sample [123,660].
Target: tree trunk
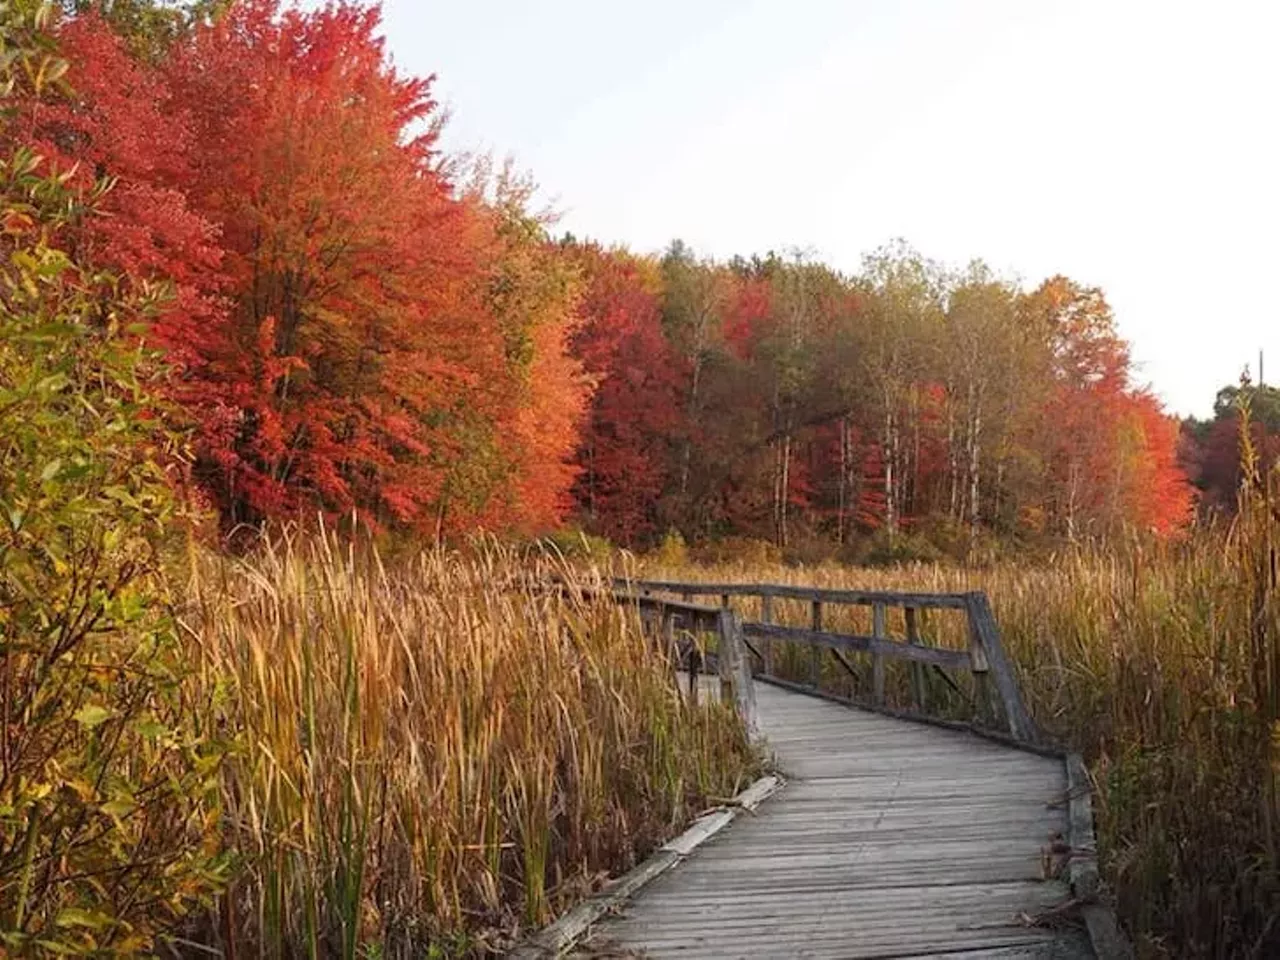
[844,480]
[691,412]
[975,455]
[915,454]
[783,490]
[890,487]
[975,448]
[953,459]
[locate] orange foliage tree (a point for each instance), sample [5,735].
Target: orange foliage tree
[624,455]
[112,119]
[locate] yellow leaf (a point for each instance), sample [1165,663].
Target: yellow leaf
[92,715]
[75,917]
[118,808]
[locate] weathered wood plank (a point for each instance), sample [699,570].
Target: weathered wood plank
[983,624]
[1108,942]
[737,687]
[981,732]
[815,653]
[695,615]
[919,688]
[554,939]
[849,668]
[952,601]
[766,616]
[877,655]
[875,923]
[893,839]
[952,659]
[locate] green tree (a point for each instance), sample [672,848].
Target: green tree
[150,26]
[694,294]
[904,295]
[981,358]
[105,835]
[1263,401]
[787,367]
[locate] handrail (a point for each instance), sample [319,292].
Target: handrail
[985,657]
[786,591]
[953,659]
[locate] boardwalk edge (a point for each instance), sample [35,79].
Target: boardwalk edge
[1109,943]
[559,936]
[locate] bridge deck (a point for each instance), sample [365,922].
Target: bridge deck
[890,839]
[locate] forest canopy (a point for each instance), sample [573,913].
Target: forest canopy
[358,326]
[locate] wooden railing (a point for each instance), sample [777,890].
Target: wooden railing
[984,657]
[670,618]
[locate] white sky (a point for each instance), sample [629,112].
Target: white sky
[1132,145]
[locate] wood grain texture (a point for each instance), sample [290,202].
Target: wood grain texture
[735,671]
[890,839]
[919,686]
[554,939]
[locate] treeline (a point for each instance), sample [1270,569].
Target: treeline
[778,399]
[359,325]
[1211,450]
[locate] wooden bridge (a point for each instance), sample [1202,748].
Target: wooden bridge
[916,811]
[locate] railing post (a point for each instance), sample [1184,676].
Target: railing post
[988,656]
[979,666]
[815,651]
[693,681]
[695,660]
[918,691]
[736,686]
[877,658]
[724,659]
[766,616]
[669,644]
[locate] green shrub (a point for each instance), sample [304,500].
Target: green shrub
[672,551]
[743,550]
[885,550]
[104,830]
[575,543]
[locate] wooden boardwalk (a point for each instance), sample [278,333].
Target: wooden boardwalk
[890,839]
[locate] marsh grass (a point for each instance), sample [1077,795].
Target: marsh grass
[1158,663]
[437,755]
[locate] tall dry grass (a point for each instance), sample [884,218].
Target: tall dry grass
[434,756]
[1147,659]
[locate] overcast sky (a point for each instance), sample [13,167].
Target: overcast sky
[1131,145]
